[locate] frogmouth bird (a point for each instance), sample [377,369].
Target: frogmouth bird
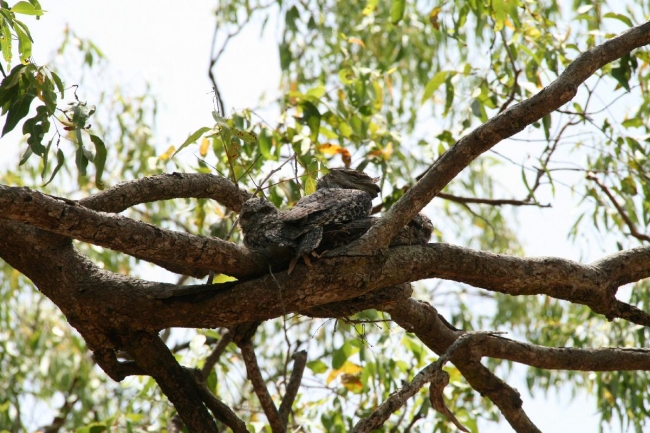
[342,197]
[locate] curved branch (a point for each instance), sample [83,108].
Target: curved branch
[192,254]
[504,125]
[423,320]
[167,187]
[121,300]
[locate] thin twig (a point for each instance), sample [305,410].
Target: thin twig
[255,376]
[490,201]
[299,362]
[214,356]
[630,224]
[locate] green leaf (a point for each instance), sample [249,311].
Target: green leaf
[317,366]
[81,160]
[24,42]
[286,57]
[59,84]
[6,42]
[435,82]
[35,128]
[311,117]
[60,159]
[634,122]
[291,17]
[26,8]
[310,185]
[19,109]
[100,159]
[546,122]
[247,137]
[370,7]
[346,75]
[46,155]
[397,11]
[26,155]
[619,17]
[192,138]
[265,142]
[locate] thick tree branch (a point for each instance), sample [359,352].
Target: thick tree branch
[422,319]
[504,125]
[167,187]
[220,411]
[378,299]
[432,373]
[329,280]
[191,253]
[151,354]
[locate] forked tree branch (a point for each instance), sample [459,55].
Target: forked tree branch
[429,374]
[153,356]
[219,409]
[423,320]
[337,278]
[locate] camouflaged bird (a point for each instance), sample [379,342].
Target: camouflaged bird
[334,215]
[341,196]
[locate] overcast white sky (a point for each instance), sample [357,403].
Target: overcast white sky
[167,43]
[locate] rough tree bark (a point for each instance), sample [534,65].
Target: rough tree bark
[116,312]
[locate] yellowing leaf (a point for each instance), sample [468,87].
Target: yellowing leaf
[203,149]
[370,7]
[379,96]
[384,153]
[509,24]
[388,150]
[356,41]
[350,368]
[352,383]
[310,185]
[433,17]
[329,148]
[333,375]
[165,156]
[245,136]
[333,149]
[221,278]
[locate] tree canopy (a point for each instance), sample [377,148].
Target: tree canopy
[467,111]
